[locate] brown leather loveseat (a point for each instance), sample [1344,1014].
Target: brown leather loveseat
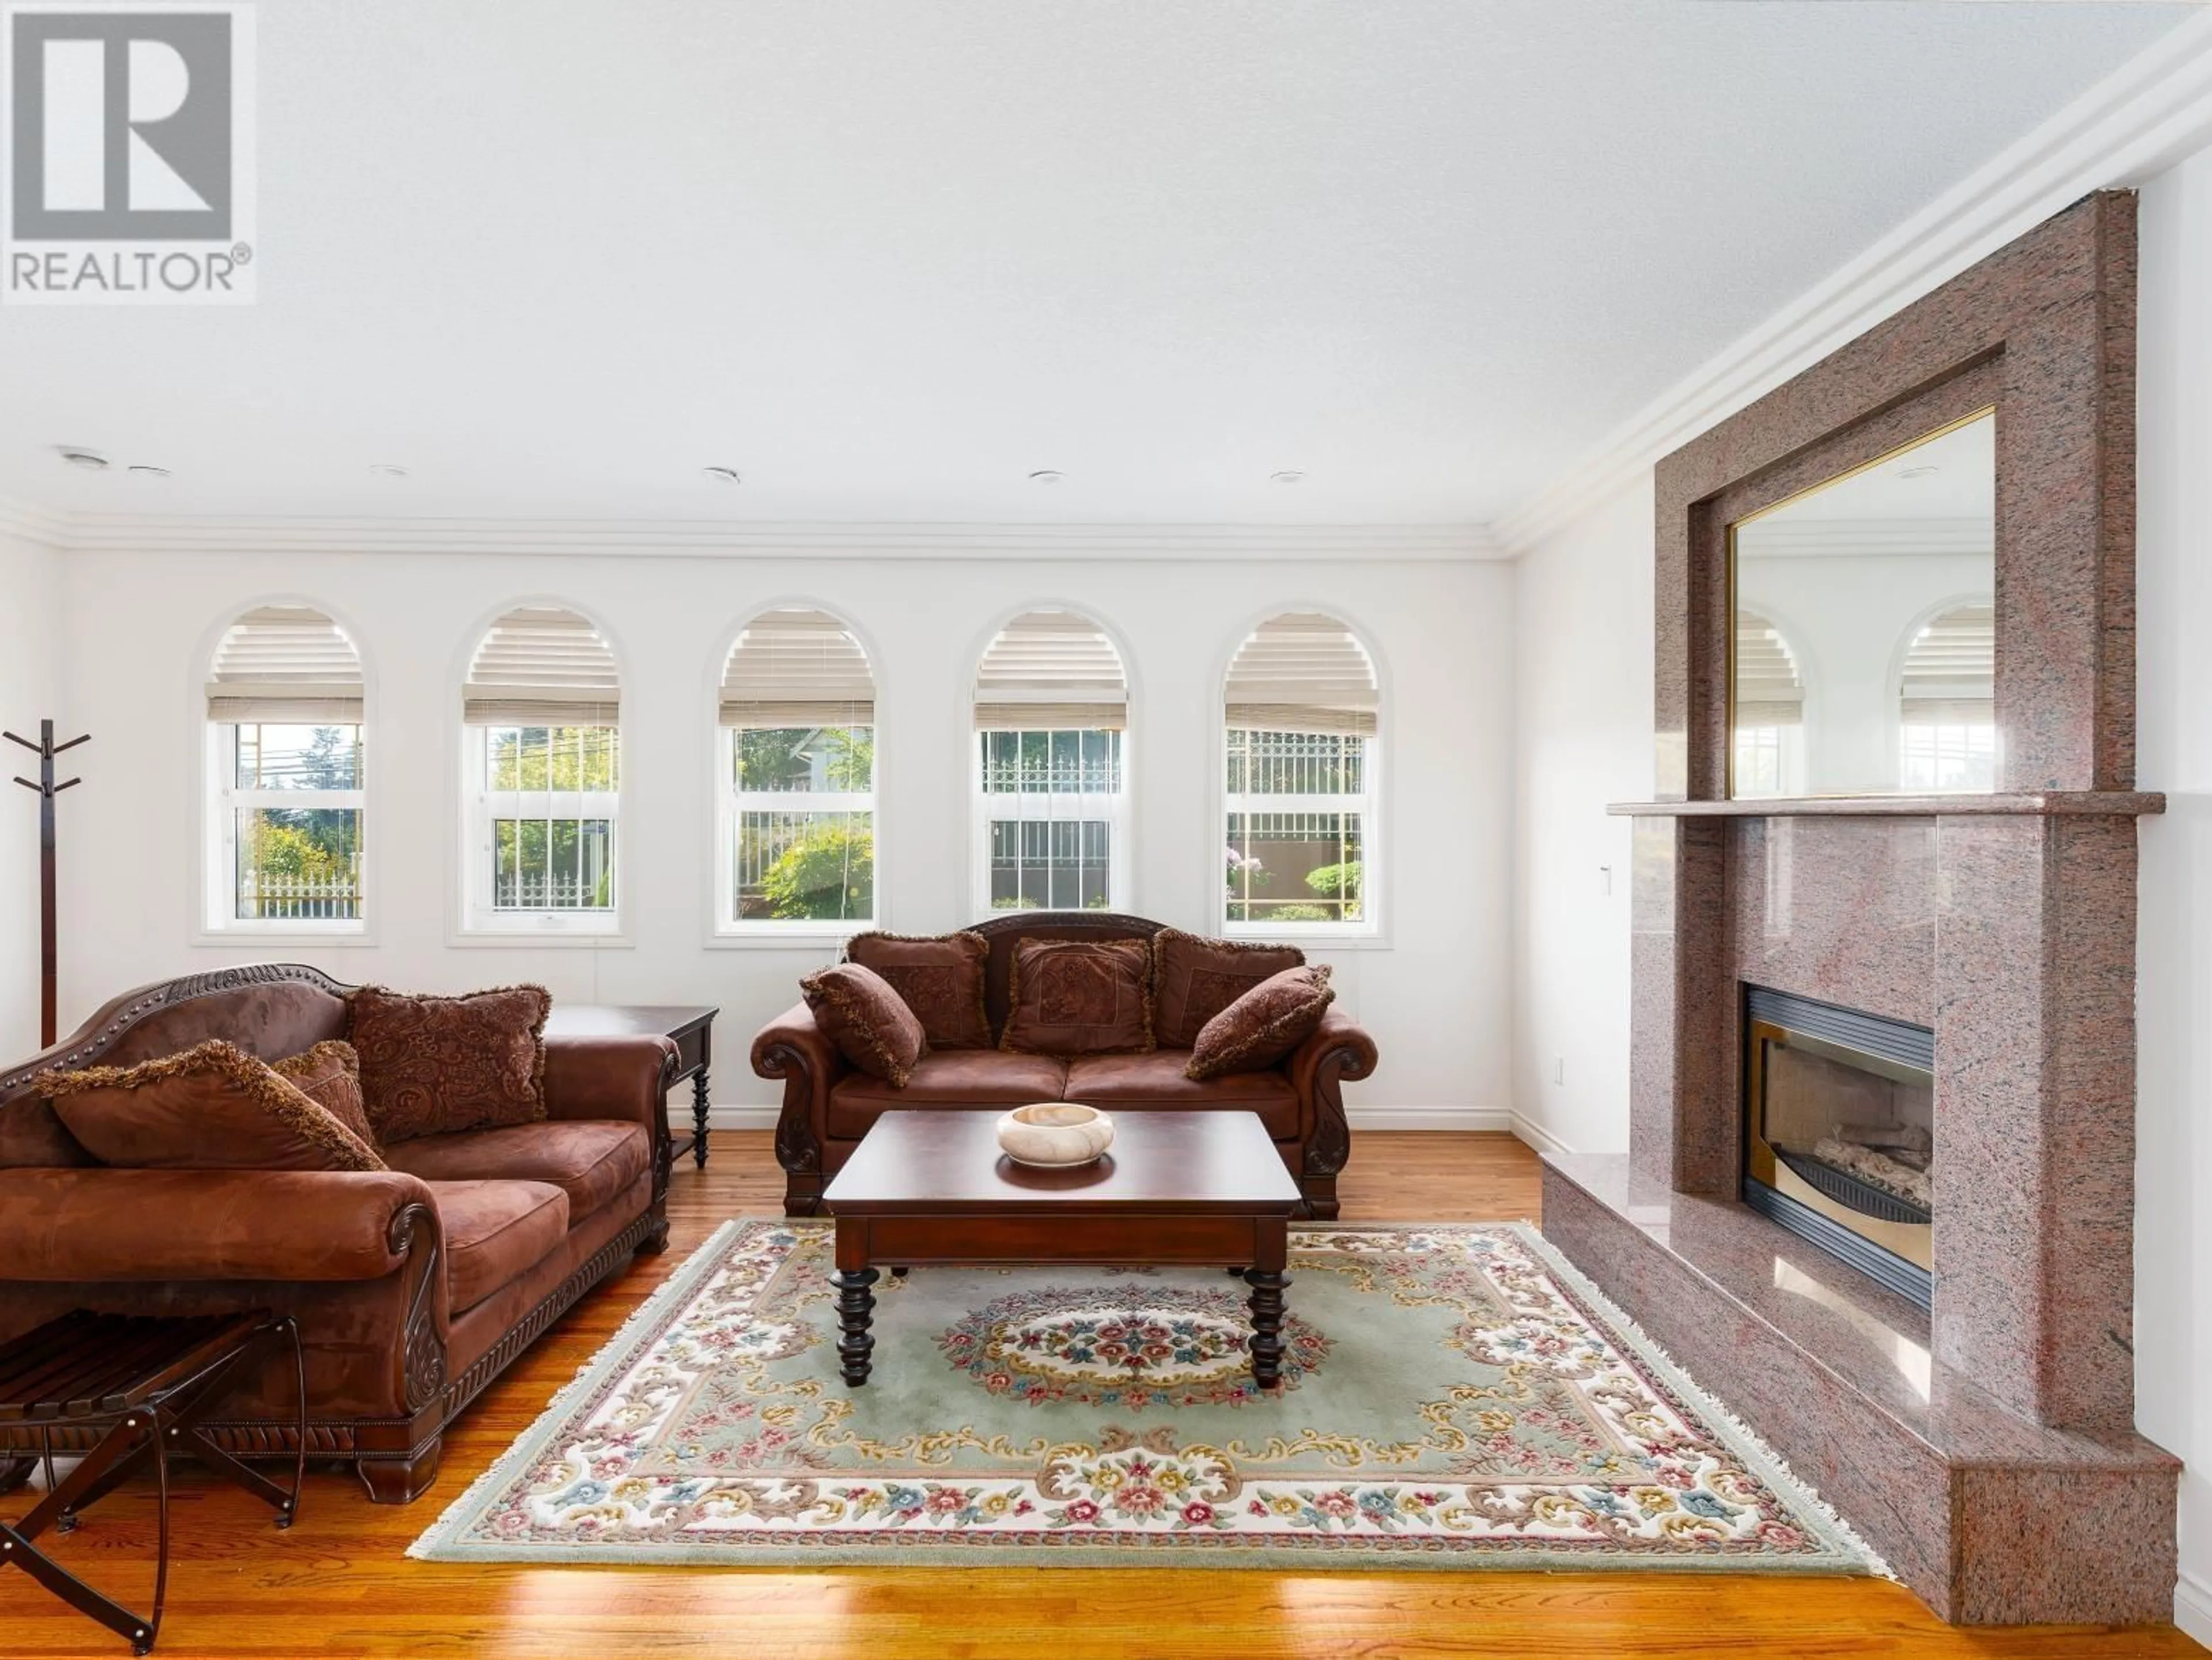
[413,1286]
[829,1104]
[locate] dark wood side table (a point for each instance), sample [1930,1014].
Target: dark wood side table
[692,1029]
[153,1379]
[1177,1187]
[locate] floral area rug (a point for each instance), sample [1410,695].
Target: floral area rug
[1453,1397]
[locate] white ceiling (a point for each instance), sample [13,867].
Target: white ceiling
[887,258]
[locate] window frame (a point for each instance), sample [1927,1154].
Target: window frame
[1118,817]
[1367,804]
[732,802]
[1901,729]
[481,922]
[221,802]
[1372,931]
[210,854]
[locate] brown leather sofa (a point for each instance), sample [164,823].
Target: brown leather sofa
[829,1104]
[413,1286]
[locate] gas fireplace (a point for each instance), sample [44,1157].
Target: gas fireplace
[1839,1132]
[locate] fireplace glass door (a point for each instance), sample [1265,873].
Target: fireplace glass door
[1839,1142]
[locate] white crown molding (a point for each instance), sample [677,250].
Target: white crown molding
[539,539]
[1866,538]
[32,524]
[2144,117]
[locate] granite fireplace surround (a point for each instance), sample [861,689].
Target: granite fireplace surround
[1986,1449]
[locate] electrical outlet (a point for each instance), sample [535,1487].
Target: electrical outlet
[1559,1070]
[1605,880]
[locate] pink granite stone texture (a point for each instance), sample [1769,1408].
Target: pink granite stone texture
[1682,1121]
[2011,1487]
[2035,1108]
[1989,1517]
[1841,909]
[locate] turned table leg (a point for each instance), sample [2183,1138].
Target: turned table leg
[699,1094]
[1267,1281]
[856,1306]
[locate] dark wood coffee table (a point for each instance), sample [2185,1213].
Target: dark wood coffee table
[1177,1187]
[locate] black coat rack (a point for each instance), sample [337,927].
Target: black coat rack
[49,947]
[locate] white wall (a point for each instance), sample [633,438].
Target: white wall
[1849,618]
[1583,694]
[1440,630]
[2174,1102]
[30,691]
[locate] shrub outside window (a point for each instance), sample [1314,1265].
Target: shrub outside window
[1300,752]
[798,767]
[542,778]
[286,790]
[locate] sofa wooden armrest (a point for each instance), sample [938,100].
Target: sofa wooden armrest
[795,1049]
[1338,1051]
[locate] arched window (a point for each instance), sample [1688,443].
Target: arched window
[542,754]
[1946,702]
[799,777]
[1052,705]
[1301,716]
[285,784]
[1770,711]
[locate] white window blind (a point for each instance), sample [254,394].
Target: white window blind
[540,665]
[286,663]
[1303,673]
[1950,670]
[797,668]
[1769,691]
[1051,670]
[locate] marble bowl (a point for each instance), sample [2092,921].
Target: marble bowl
[1055,1134]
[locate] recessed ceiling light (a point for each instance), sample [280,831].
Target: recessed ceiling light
[1917,472]
[387,470]
[1287,475]
[722,475]
[1047,476]
[77,456]
[150,475]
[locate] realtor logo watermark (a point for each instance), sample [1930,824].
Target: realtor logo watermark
[128,177]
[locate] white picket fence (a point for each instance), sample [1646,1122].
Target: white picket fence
[539,891]
[271,897]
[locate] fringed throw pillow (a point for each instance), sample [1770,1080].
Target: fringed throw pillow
[214,1107]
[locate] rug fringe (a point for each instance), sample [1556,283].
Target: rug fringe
[1752,1444]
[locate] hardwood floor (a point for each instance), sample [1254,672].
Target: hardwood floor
[339,1584]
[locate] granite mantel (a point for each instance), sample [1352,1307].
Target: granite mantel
[1999,1472]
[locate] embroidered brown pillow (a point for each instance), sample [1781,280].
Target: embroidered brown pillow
[433,1065]
[328,1074]
[939,978]
[1263,1025]
[864,1018]
[211,1108]
[1194,979]
[1080,997]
